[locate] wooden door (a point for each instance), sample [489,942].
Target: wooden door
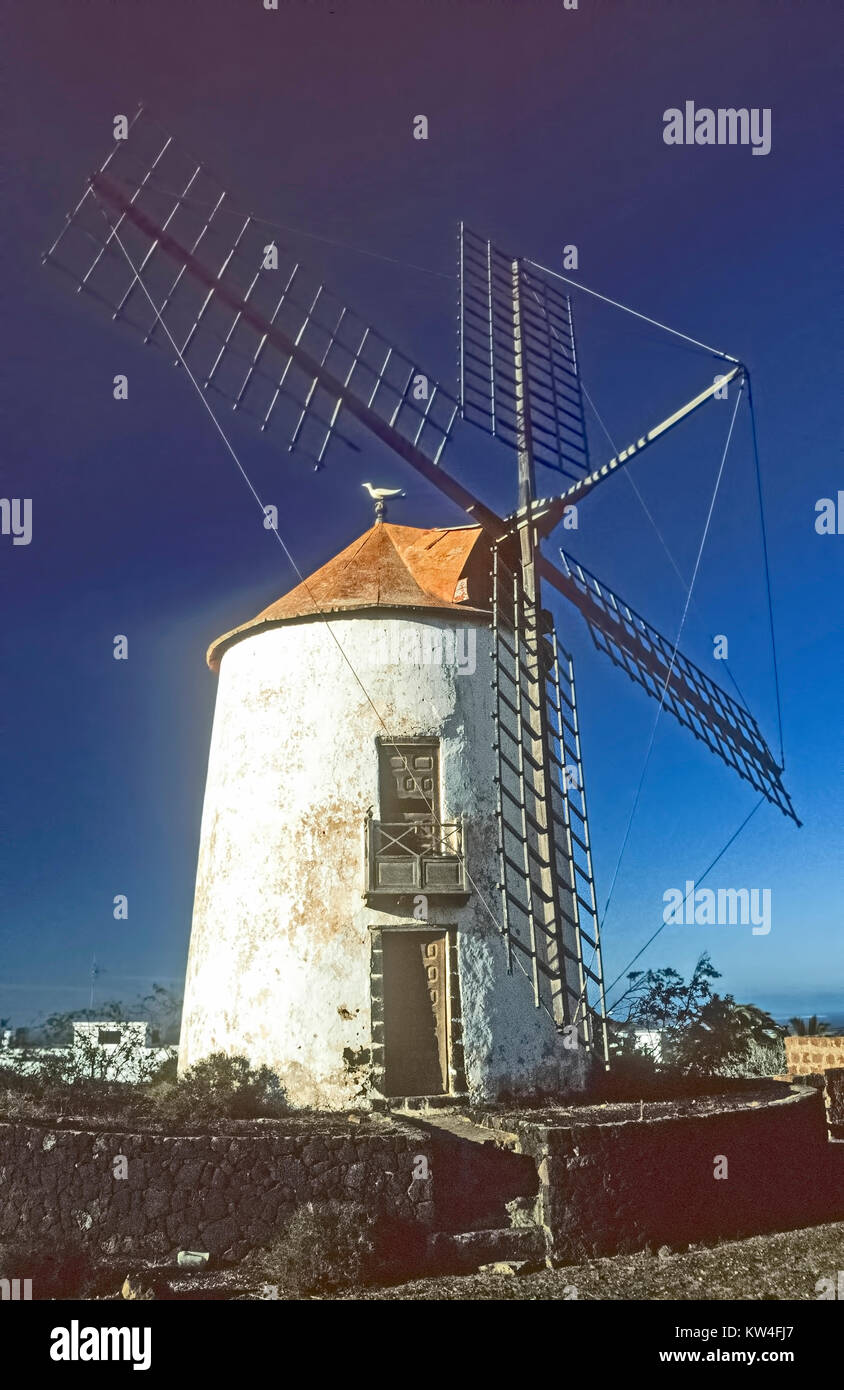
[415,1013]
[410,793]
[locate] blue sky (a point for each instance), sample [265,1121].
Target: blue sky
[545,129]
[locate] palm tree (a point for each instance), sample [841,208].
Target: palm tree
[815,1027]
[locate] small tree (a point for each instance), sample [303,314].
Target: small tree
[661,1000]
[162,1007]
[701,1033]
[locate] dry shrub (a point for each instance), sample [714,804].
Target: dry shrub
[335,1245]
[221,1087]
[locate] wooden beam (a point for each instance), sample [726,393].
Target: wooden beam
[477,510]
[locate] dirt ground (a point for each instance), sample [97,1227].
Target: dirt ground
[784,1265]
[781,1266]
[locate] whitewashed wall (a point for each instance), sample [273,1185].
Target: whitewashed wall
[279,965]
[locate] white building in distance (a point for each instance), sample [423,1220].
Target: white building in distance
[110,1050]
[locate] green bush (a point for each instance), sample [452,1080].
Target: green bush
[167,1072]
[760,1059]
[14,1082]
[633,1075]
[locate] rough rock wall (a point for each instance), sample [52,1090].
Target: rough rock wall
[813,1054]
[608,1188]
[602,1188]
[222,1193]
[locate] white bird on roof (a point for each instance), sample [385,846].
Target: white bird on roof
[379,495]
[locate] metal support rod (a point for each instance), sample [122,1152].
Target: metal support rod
[547,511]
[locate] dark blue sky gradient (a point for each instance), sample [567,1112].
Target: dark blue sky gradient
[545,129]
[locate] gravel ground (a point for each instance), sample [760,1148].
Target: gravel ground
[786,1265]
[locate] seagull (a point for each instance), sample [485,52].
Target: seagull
[379,495]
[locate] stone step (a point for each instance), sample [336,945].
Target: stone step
[414,1105]
[465,1251]
[459,1127]
[476,1171]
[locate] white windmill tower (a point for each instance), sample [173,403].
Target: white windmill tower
[395,894]
[342,930]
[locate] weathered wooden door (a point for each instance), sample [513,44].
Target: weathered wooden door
[409,779]
[415,1013]
[410,793]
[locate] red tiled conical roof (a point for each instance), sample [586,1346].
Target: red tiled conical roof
[387,567]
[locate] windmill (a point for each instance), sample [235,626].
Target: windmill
[160,244]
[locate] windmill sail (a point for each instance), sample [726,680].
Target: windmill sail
[159,242]
[649,658]
[517,331]
[549,908]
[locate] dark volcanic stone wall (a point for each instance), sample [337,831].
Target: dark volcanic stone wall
[222,1193]
[606,1188]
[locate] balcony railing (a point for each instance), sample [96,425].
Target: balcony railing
[420,856]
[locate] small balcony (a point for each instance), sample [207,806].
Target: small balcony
[415,856]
